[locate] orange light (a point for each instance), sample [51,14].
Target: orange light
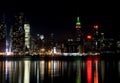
[89,37]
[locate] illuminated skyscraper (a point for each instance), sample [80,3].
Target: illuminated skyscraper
[78,30]
[79,35]
[18,34]
[27,35]
[96,37]
[2,34]
[74,44]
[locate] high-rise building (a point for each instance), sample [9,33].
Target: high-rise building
[78,30]
[27,35]
[96,38]
[2,34]
[102,39]
[79,35]
[74,44]
[18,34]
[52,40]
[88,44]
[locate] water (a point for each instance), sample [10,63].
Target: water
[93,70]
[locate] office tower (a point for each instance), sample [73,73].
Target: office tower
[102,39]
[2,34]
[27,35]
[96,38]
[79,35]
[18,33]
[78,30]
[74,43]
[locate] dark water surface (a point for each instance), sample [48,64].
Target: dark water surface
[91,70]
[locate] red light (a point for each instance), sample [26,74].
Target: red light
[89,71]
[95,26]
[89,37]
[78,26]
[96,72]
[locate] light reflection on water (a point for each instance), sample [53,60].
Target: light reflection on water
[26,72]
[58,71]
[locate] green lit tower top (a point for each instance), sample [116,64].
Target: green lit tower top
[78,24]
[78,30]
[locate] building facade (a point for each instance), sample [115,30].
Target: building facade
[74,44]
[2,35]
[27,35]
[18,34]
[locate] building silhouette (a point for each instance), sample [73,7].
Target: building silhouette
[74,42]
[96,38]
[17,34]
[3,34]
[79,36]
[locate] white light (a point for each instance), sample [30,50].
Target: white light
[41,37]
[27,72]
[27,35]
[54,50]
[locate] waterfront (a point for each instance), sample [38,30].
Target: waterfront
[76,70]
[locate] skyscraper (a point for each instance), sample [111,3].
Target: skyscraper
[2,34]
[27,35]
[96,38]
[18,33]
[74,44]
[79,35]
[78,30]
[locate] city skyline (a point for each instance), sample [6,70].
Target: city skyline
[59,17]
[60,26]
[55,41]
[79,41]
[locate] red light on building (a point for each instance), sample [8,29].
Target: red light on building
[89,36]
[78,26]
[95,26]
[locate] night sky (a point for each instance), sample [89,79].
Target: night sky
[59,17]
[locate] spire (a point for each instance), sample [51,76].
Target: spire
[78,21]
[78,24]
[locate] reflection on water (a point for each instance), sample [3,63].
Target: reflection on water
[78,74]
[102,70]
[58,71]
[96,72]
[26,71]
[89,71]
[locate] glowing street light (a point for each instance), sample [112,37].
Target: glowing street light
[89,37]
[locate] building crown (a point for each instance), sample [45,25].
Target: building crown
[78,21]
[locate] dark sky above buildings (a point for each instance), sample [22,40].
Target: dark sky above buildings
[59,16]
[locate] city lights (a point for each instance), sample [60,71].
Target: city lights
[79,43]
[96,27]
[89,37]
